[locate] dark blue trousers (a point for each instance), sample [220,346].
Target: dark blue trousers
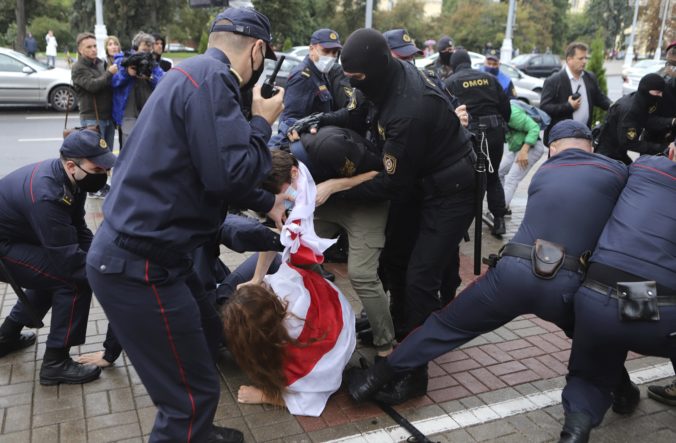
[155,313]
[33,269]
[503,293]
[600,345]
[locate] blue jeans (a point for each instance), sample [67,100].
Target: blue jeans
[107,128]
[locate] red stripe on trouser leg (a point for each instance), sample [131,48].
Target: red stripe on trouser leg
[181,371]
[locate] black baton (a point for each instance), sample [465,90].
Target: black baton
[6,276]
[480,180]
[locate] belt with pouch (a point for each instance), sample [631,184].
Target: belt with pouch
[547,258]
[613,282]
[491,121]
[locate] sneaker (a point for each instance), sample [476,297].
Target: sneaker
[663,394]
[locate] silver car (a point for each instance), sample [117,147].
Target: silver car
[24,81]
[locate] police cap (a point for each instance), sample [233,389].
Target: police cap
[88,144]
[569,129]
[671,45]
[400,43]
[326,38]
[492,57]
[249,22]
[444,42]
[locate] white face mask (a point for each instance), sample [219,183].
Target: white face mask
[325,63]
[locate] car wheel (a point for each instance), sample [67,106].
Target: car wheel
[538,90]
[62,98]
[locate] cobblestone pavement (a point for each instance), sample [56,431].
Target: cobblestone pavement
[503,387]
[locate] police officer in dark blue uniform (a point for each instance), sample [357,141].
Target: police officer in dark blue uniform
[633,273]
[43,243]
[487,104]
[402,45]
[569,201]
[191,153]
[308,89]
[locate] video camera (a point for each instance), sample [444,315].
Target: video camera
[142,62]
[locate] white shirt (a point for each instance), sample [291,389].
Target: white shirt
[51,46]
[582,113]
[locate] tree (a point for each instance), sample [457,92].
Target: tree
[20,25]
[595,66]
[611,17]
[407,14]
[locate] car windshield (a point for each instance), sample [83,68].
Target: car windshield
[520,59]
[38,66]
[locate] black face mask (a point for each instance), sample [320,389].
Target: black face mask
[445,58]
[255,75]
[91,182]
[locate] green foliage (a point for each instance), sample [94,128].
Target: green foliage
[288,44]
[611,17]
[9,37]
[408,14]
[595,66]
[65,38]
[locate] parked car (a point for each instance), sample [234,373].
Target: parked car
[427,62]
[24,81]
[538,65]
[631,76]
[179,47]
[519,78]
[288,64]
[299,51]
[527,96]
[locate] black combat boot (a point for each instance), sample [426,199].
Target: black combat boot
[58,367]
[576,428]
[499,227]
[220,434]
[405,386]
[364,383]
[626,398]
[12,339]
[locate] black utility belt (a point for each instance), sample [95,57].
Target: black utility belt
[636,300]
[153,252]
[491,121]
[547,258]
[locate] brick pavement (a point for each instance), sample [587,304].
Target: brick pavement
[475,391]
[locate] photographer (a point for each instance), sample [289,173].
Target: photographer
[137,76]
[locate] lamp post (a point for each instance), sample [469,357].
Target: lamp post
[629,57]
[506,49]
[368,22]
[666,10]
[100,31]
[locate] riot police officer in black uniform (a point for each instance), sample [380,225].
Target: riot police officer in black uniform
[661,126]
[627,118]
[487,104]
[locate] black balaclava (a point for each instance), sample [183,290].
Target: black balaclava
[366,51]
[643,100]
[460,57]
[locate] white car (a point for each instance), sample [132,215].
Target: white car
[24,81]
[299,51]
[426,62]
[179,47]
[631,76]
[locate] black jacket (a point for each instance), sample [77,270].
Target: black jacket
[93,80]
[556,91]
[480,92]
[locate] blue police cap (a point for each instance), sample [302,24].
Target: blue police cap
[400,43]
[569,129]
[249,22]
[326,38]
[88,144]
[444,42]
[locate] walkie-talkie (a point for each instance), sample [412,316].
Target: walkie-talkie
[577,93]
[268,89]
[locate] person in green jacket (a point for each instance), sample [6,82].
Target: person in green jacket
[525,148]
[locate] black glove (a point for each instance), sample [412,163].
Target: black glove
[305,124]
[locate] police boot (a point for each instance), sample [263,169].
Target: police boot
[12,339]
[499,227]
[626,398]
[576,428]
[364,383]
[220,434]
[408,385]
[366,337]
[58,367]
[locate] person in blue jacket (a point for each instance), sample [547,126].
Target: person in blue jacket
[569,201]
[43,243]
[628,299]
[492,66]
[191,155]
[130,88]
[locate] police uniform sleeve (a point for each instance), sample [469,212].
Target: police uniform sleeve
[257,199]
[629,132]
[229,152]
[88,80]
[504,107]
[54,226]
[298,97]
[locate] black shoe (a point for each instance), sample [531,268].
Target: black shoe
[220,434]
[23,340]
[664,394]
[67,371]
[626,398]
[366,337]
[499,228]
[364,383]
[576,428]
[508,212]
[408,385]
[330,276]
[362,322]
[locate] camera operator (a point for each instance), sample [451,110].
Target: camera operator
[137,76]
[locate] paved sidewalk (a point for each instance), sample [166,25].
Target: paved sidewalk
[503,387]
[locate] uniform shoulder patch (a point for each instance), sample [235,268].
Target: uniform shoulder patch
[631,133]
[652,109]
[348,169]
[390,163]
[306,73]
[67,196]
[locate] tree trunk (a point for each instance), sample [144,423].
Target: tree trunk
[20,25]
